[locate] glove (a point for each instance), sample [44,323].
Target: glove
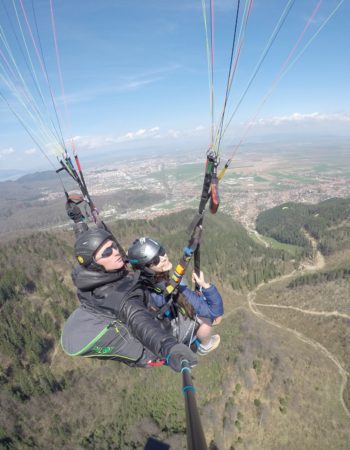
[73,212]
[179,353]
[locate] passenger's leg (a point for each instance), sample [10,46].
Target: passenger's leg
[204,333]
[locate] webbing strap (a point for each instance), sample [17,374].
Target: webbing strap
[214,193]
[210,165]
[157,363]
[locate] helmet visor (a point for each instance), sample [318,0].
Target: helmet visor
[107,252]
[156,260]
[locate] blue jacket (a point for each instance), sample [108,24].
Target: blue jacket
[208,304]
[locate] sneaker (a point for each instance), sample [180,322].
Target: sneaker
[213,344]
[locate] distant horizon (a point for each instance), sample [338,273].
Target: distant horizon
[132,77]
[266,145]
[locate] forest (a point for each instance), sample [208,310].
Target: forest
[36,296]
[325,221]
[43,397]
[323,276]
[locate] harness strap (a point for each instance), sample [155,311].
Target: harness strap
[210,165]
[214,193]
[159,362]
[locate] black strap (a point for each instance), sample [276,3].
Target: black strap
[214,191]
[211,163]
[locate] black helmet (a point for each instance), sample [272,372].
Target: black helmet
[144,252]
[87,244]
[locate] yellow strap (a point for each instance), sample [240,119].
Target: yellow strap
[222,173]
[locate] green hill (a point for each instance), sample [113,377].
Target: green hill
[328,222]
[249,390]
[36,296]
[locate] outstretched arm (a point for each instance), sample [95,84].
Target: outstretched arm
[150,333]
[144,326]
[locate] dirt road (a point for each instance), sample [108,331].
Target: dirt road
[317,263]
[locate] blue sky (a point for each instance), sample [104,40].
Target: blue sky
[135,75]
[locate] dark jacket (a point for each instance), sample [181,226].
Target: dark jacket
[118,296]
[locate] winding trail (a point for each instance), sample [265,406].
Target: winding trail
[258,237]
[318,263]
[306,311]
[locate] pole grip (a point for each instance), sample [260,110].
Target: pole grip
[194,430]
[197,265]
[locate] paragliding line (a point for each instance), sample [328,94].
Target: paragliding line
[228,85]
[43,67]
[261,60]
[280,74]
[32,137]
[53,24]
[31,69]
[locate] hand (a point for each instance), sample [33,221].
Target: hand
[217,321]
[179,353]
[200,280]
[73,212]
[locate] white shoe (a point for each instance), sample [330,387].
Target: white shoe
[213,344]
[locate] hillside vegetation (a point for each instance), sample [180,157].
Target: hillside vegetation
[36,296]
[319,311]
[314,305]
[254,392]
[328,222]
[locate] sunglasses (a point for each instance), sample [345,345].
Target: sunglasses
[107,252]
[156,260]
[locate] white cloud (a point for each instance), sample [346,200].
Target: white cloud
[137,84]
[6,151]
[30,151]
[174,133]
[95,142]
[142,136]
[315,117]
[154,129]
[127,137]
[109,89]
[124,84]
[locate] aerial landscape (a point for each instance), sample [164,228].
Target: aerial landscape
[248,184]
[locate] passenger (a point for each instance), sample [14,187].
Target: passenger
[148,256]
